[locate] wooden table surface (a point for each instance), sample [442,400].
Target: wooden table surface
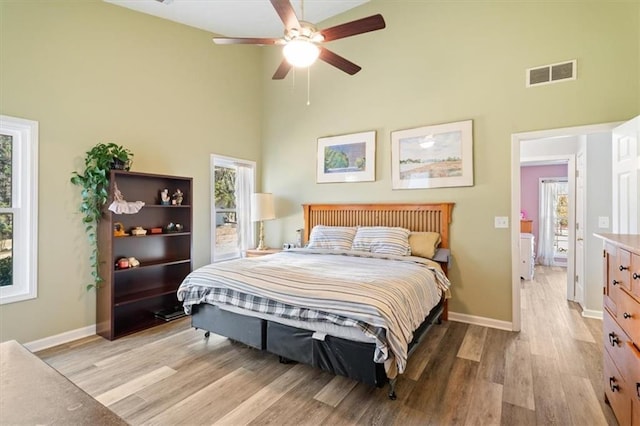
[31,392]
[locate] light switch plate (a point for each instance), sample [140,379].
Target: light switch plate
[603,221]
[501,222]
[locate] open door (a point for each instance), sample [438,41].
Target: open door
[626,214]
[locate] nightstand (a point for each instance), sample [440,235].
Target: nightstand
[256,253]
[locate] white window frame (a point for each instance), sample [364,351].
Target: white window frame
[220,160]
[24,171]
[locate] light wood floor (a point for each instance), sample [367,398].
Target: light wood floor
[548,374]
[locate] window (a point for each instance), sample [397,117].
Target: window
[561,218]
[231,227]
[18,209]
[553,230]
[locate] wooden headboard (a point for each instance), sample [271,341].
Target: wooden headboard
[415,217]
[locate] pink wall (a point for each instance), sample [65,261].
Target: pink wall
[530,186]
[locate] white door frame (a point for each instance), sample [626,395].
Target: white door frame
[516,139]
[581,239]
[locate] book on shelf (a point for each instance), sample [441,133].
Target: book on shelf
[170,314]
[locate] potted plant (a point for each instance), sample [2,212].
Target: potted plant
[94,183]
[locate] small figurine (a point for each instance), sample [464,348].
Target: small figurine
[118,230]
[122,263]
[164,197]
[177,197]
[138,231]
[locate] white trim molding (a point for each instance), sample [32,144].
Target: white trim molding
[483,321]
[23,208]
[590,313]
[60,339]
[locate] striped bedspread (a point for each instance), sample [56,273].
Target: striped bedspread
[387,296]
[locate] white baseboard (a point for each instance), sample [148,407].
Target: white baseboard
[590,313]
[59,339]
[483,321]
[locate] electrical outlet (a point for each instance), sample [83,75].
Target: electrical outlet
[501,222]
[603,221]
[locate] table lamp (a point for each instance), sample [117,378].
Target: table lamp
[262,209]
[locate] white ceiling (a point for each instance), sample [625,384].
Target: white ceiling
[237,18]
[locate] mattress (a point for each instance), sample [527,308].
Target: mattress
[386,297]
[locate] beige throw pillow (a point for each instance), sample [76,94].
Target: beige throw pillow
[424,244]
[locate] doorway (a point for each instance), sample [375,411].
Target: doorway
[530,146]
[553,234]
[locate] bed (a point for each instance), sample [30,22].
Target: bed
[356,313]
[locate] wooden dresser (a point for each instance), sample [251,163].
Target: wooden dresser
[621,326]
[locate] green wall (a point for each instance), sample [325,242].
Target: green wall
[441,62]
[92,72]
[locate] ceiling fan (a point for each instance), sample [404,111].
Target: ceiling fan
[302,41]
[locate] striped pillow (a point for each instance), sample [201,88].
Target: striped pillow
[331,237]
[382,239]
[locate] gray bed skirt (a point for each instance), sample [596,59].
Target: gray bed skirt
[337,355]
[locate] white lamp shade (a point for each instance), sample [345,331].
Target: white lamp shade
[262,207]
[301,53]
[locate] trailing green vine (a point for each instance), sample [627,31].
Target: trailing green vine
[94,184]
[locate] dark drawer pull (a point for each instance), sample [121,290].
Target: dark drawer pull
[613,339]
[627,315]
[612,384]
[636,276]
[638,389]
[614,282]
[624,268]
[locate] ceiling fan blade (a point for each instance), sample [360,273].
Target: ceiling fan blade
[338,61]
[282,70]
[286,13]
[364,25]
[231,40]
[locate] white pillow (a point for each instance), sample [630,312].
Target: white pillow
[331,237]
[382,239]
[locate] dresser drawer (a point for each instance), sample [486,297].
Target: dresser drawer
[635,275]
[612,282]
[623,269]
[617,391]
[632,371]
[615,339]
[628,316]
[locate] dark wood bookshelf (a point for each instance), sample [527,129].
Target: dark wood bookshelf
[129,299]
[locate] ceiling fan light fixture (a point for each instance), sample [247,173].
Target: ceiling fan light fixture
[301,53]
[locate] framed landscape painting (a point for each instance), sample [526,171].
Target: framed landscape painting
[347,158]
[433,156]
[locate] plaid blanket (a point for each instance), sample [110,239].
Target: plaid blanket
[254,303]
[386,296]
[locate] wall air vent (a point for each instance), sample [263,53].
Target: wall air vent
[553,73]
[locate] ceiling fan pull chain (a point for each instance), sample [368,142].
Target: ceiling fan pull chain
[308,85]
